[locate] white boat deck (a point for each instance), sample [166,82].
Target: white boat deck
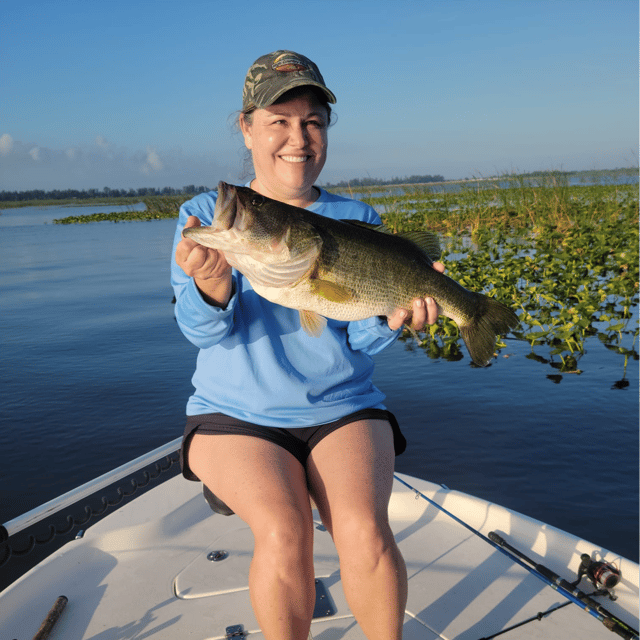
[143,572]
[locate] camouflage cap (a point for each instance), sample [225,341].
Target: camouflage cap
[275,73]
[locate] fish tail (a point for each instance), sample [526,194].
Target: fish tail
[491,318]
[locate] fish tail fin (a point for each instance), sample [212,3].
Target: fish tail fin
[491,318]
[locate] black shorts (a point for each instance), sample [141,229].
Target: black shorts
[299,442]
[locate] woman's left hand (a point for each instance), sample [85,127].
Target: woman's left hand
[424,311]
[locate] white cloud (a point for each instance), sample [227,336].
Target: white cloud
[102,142]
[100,162]
[6,144]
[153,162]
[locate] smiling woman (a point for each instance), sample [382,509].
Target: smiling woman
[288,143]
[284,120]
[293,416]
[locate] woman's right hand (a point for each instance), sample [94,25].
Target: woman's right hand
[208,267]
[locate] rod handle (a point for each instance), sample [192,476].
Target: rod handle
[52,617]
[494,537]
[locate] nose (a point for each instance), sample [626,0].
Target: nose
[298,135]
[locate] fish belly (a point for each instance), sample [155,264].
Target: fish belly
[302,297]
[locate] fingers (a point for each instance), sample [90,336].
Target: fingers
[418,314]
[433,311]
[185,246]
[426,311]
[423,312]
[198,261]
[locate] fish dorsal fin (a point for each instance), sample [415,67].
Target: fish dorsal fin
[313,323]
[368,225]
[425,240]
[330,290]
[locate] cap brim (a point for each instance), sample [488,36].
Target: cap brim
[299,82]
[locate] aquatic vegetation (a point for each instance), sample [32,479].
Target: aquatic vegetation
[565,257]
[157,208]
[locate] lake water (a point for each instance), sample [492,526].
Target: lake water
[96,372]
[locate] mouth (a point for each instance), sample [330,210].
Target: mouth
[295,159]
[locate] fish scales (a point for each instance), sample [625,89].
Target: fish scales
[382,271]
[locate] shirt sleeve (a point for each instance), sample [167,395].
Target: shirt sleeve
[371,335]
[202,324]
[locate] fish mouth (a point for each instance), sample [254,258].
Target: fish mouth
[228,230]
[225,216]
[226,208]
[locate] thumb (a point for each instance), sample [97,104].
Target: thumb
[397,319]
[192,221]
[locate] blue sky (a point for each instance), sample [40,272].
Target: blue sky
[143,92]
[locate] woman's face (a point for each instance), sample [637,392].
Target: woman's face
[288,142]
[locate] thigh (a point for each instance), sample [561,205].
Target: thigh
[350,472]
[258,479]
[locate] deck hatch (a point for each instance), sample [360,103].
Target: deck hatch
[324,606]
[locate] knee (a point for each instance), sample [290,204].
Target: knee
[363,540]
[284,534]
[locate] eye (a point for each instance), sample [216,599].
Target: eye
[257,200]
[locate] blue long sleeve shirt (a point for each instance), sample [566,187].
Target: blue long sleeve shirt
[257,364]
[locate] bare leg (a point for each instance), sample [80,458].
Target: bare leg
[351,475]
[266,486]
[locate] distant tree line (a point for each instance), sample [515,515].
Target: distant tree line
[374,182]
[89,194]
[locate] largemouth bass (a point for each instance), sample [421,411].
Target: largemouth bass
[345,270]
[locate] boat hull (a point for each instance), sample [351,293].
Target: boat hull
[144,571]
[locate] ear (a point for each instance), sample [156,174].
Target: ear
[245,127]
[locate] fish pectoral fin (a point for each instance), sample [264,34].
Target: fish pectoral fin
[330,290]
[312,322]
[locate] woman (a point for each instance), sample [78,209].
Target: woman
[277,415]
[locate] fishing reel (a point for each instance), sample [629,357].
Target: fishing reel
[603,575]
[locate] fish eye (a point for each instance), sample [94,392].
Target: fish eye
[257,200]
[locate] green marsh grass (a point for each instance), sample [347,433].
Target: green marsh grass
[157,208]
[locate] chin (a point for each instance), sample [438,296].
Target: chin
[301,183]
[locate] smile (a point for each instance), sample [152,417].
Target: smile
[295,158]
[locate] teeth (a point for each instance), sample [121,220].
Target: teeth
[294,158]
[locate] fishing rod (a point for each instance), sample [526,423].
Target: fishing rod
[565,589]
[612,622]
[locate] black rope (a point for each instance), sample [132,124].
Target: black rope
[8,551]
